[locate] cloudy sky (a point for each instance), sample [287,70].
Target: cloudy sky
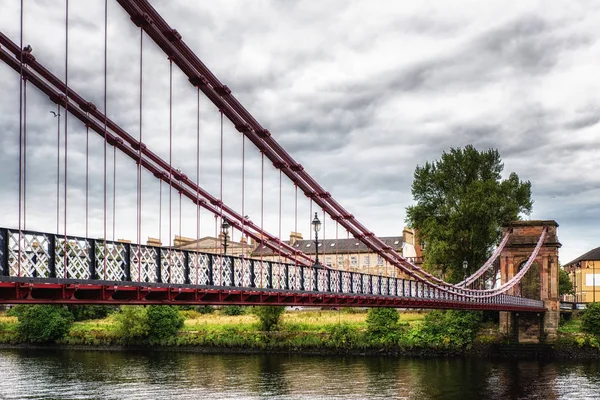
[359,92]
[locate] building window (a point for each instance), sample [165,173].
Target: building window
[379,260]
[366,260]
[328,261]
[354,261]
[340,261]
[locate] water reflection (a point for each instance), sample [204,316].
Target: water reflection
[48,374]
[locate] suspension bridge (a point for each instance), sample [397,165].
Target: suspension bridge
[77,261]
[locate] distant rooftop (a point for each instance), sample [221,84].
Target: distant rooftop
[333,246]
[593,254]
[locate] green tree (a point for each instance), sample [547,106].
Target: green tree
[591,318]
[382,320]
[233,310]
[268,316]
[461,204]
[565,285]
[44,323]
[132,324]
[163,323]
[207,309]
[451,327]
[83,312]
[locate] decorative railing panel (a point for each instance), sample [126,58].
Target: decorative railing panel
[144,267]
[111,261]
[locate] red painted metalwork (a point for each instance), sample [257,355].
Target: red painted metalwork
[67,293]
[170,41]
[117,137]
[143,15]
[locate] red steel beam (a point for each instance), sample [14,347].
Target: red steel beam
[59,293]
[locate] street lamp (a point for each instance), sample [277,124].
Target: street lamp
[316,224]
[575,267]
[225,231]
[465,266]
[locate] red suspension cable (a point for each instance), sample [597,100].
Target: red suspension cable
[20,143]
[104,255]
[66,132]
[139,164]
[198,183]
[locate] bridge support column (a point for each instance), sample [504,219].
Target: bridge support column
[541,282]
[523,327]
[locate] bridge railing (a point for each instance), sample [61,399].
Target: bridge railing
[77,259]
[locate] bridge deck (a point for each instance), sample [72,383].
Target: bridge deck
[55,269]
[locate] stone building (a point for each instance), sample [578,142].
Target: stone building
[584,272]
[348,254]
[210,244]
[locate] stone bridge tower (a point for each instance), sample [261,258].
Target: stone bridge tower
[541,282]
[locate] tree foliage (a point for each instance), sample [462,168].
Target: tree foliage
[382,320]
[455,327]
[591,319]
[132,324]
[233,310]
[461,204]
[44,323]
[153,324]
[83,312]
[269,316]
[163,323]
[565,285]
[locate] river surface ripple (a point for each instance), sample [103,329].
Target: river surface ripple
[70,374]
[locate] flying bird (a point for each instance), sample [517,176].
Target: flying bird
[55,114]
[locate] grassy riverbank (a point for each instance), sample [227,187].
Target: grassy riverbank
[346,329]
[320,331]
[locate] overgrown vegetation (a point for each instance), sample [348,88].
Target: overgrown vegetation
[591,319]
[87,312]
[565,285]
[451,328]
[378,330]
[132,324]
[268,316]
[163,323]
[153,324]
[233,310]
[43,323]
[382,321]
[205,309]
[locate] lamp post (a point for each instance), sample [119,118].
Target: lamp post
[225,231]
[316,224]
[465,266]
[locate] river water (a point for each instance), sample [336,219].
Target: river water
[71,374]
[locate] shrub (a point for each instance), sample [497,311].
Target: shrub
[132,324]
[44,323]
[186,307]
[206,309]
[163,323]
[233,310]
[591,319]
[269,316]
[343,336]
[16,311]
[451,327]
[87,312]
[381,321]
